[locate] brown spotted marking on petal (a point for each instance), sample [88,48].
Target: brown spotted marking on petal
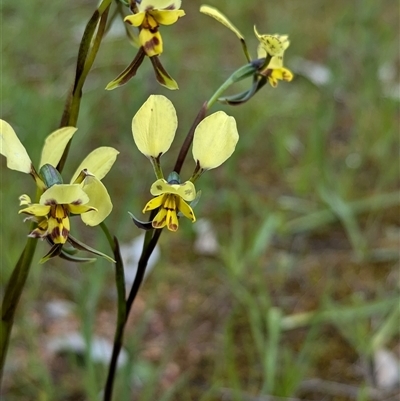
[151,43]
[65,232]
[159,187]
[158,224]
[50,202]
[55,233]
[188,191]
[172,227]
[77,202]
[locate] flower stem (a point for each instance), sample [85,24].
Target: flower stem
[124,308]
[12,295]
[242,73]
[189,138]
[121,315]
[86,55]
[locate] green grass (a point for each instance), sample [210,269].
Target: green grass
[307,209]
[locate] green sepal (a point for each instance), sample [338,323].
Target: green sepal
[69,249]
[162,76]
[129,71]
[243,97]
[66,256]
[244,72]
[50,175]
[83,247]
[54,251]
[144,225]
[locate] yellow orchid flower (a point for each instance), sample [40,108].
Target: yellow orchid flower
[53,210]
[151,14]
[85,195]
[271,47]
[153,129]
[148,16]
[275,46]
[171,198]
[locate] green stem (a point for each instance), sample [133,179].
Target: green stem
[121,315]
[86,55]
[243,72]
[189,138]
[155,161]
[150,242]
[12,295]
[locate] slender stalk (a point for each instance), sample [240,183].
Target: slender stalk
[121,315]
[189,138]
[242,73]
[150,241]
[86,55]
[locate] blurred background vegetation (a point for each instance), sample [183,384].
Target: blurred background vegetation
[301,299]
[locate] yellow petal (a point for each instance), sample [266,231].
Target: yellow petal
[13,150]
[186,190]
[151,42]
[167,17]
[261,52]
[287,75]
[135,19]
[214,140]
[55,145]
[172,220]
[153,203]
[98,162]
[186,210]
[273,81]
[161,219]
[79,209]
[154,126]
[273,44]
[24,200]
[275,63]
[64,194]
[98,199]
[58,229]
[36,210]
[216,14]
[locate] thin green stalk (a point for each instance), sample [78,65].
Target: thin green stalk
[86,55]
[243,72]
[121,315]
[150,241]
[189,138]
[12,295]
